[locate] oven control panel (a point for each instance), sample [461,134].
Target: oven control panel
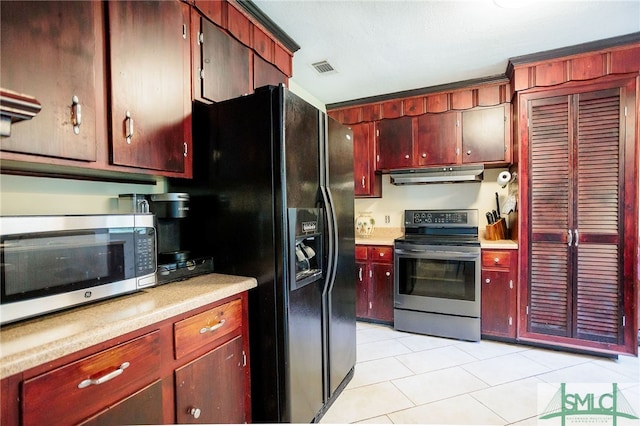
[449,218]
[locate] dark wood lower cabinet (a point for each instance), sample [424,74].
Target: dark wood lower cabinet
[192,368]
[498,293]
[142,408]
[374,283]
[207,388]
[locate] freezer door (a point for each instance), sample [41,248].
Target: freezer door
[341,294]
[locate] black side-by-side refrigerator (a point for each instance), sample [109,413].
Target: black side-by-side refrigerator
[272,198]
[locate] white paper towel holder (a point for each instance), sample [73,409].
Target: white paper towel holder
[505,178]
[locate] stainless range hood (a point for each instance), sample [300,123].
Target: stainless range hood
[450,174]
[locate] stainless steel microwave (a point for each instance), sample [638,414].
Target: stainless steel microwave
[49,263]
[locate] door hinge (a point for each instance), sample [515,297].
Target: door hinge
[201,72]
[370,305]
[510,283]
[200,38]
[184,31]
[624,321]
[527,310]
[625,111]
[378,132]
[244,359]
[370,273]
[527,121]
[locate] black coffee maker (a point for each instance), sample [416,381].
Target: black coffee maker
[175,262]
[171,211]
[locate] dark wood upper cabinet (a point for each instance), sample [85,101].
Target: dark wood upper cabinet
[438,136]
[265,73]
[50,51]
[149,73]
[486,135]
[395,143]
[367,183]
[221,64]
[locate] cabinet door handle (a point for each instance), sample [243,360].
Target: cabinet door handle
[76,114]
[128,123]
[388,274]
[212,328]
[88,382]
[570,238]
[469,152]
[186,150]
[195,412]
[363,181]
[424,155]
[496,260]
[576,232]
[487,280]
[406,156]
[360,274]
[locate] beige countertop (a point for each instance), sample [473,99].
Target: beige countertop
[385,237]
[34,342]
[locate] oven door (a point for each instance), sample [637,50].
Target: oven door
[439,279]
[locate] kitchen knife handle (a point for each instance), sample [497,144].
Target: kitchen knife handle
[570,239]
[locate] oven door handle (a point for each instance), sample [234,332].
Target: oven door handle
[439,255]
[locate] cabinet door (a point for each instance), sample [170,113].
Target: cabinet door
[142,408]
[576,201]
[265,74]
[438,136]
[150,92]
[395,143]
[50,51]
[225,65]
[382,292]
[367,182]
[484,135]
[497,313]
[210,389]
[362,290]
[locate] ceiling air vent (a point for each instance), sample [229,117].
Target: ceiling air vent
[323,67]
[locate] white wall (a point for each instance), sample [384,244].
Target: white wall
[298,90]
[396,199]
[25,195]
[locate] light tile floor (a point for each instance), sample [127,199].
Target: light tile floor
[415,379]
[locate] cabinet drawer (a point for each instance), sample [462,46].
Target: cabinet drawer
[495,258]
[361,252]
[382,254]
[76,391]
[200,330]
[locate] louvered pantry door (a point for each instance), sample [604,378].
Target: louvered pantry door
[575,287]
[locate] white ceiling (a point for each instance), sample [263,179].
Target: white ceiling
[381,47]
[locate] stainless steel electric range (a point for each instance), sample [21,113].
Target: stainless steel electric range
[437,274]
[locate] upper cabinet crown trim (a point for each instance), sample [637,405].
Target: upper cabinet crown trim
[273,28]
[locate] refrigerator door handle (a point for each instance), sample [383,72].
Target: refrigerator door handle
[330,235]
[333,241]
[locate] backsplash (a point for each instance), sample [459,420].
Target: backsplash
[388,211]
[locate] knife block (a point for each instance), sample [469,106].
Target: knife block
[496,231]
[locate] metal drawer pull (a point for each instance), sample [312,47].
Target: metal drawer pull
[88,382]
[212,328]
[76,114]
